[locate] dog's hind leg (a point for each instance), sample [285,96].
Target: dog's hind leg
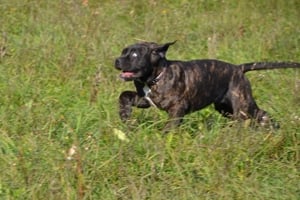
[263,119]
[224,107]
[127,100]
[243,105]
[254,112]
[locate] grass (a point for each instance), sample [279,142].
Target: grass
[59,92]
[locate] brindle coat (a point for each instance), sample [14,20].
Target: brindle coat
[181,87]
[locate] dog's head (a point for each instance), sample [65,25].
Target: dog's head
[137,61]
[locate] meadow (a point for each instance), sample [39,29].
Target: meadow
[60,133]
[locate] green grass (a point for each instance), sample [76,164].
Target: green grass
[59,90]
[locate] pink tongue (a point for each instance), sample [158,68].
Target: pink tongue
[127,74]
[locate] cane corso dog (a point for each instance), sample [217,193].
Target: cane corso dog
[181,87]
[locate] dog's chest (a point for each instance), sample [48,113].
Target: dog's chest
[147,92]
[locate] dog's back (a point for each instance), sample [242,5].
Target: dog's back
[196,83]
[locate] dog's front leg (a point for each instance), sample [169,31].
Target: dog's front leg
[128,99]
[176,115]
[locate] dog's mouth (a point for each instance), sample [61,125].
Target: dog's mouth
[128,76]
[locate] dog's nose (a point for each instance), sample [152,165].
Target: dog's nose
[118,63]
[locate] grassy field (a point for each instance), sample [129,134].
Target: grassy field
[60,134]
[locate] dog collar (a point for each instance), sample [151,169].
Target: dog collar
[147,86]
[156,79]
[147,91]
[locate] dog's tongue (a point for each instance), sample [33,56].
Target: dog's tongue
[127,74]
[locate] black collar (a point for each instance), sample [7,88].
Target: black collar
[156,79]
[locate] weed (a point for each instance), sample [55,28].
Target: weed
[60,134]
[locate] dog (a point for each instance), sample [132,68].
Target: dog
[181,87]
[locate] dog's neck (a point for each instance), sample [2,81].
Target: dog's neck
[156,77]
[157,73]
[152,81]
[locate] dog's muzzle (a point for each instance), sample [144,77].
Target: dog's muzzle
[118,64]
[125,75]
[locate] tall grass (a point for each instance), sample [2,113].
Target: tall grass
[59,121]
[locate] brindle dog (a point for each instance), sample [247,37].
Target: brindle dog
[181,87]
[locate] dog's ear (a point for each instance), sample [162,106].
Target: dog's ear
[161,50]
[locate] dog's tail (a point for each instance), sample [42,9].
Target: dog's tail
[267,65]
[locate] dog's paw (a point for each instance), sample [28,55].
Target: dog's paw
[267,122]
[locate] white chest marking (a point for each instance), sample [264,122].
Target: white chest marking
[147,91]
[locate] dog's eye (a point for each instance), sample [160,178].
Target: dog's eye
[134,54]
